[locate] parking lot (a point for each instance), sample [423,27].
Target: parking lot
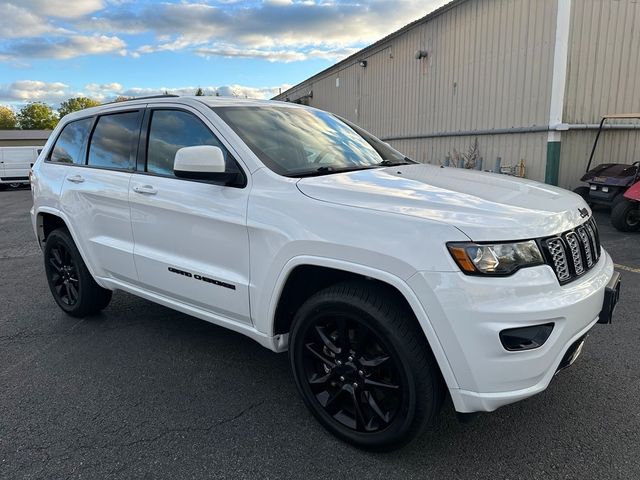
[142,391]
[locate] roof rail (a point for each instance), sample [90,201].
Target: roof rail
[168,95]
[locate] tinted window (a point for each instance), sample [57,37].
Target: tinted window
[68,147]
[171,130]
[114,143]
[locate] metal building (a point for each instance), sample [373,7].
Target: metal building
[529,79]
[23,138]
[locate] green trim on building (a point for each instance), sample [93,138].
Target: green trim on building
[552,171]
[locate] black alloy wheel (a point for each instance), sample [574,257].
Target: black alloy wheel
[71,284]
[64,275]
[363,367]
[353,375]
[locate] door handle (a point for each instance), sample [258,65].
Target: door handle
[75,179]
[145,189]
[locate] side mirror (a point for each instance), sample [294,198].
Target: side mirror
[202,162]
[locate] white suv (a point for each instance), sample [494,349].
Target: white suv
[390,283]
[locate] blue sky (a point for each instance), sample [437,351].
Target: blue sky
[51,50]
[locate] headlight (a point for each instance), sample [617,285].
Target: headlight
[495,259]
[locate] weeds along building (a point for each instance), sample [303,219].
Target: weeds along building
[529,79]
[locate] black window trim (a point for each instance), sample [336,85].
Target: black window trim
[143,146]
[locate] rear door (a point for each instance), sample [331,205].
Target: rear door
[191,239]
[95,195]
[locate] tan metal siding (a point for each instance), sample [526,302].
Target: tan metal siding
[604,60]
[489,66]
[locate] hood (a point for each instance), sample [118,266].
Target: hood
[485,206]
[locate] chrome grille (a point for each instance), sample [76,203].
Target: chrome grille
[573,253]
[559,259]
[576,255]
[586,245]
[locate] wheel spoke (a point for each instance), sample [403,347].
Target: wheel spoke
[56,266]
[374,362]
[319,379]
[331,405]
[343,334]
[73,292]
[375,407]
[380,384]
[359,417]
[362,335]
[56,255]
[319,356]
[326,340]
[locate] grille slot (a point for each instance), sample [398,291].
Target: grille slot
[573,253]
[576,256]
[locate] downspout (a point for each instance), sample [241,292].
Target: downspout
[558,89]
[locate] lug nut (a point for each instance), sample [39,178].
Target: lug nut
[342,379]
[338,362]
[361,373]
[355,385]
[350,359]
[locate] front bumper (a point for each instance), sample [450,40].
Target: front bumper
[468,314]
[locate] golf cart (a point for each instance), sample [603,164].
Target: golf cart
[625,216]
[609,181]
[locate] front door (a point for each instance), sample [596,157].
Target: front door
[191,239]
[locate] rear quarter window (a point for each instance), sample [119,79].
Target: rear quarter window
[68,146]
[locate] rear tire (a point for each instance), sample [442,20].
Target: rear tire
[625,216]
[363,366]
[583,192]
[72,286]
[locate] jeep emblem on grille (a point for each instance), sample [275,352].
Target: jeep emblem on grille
[583,212]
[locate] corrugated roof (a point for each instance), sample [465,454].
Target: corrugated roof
[24,134]
[361,53]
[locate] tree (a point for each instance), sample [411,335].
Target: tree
[122,98]
[7,118]
[37,116]
[199,92]
[75,104]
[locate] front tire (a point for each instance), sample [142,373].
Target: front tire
[72,286]
[363,367]
[625,216]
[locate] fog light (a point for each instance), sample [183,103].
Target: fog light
[525,338]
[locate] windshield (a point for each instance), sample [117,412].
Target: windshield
[298,142]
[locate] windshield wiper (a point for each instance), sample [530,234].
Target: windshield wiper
[394,163]
[326,170]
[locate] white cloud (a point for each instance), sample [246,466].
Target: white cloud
[62,8]
[276,30]
[23,91]
[18,22]
[64,48]
[53,93]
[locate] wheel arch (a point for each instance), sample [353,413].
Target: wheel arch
[287,296]
[47,220]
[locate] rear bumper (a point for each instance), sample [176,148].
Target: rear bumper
[468,314]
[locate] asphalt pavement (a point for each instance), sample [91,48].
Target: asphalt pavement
[141,391]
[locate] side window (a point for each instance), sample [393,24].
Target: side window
[68,147]
[114,143]
[171,130]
